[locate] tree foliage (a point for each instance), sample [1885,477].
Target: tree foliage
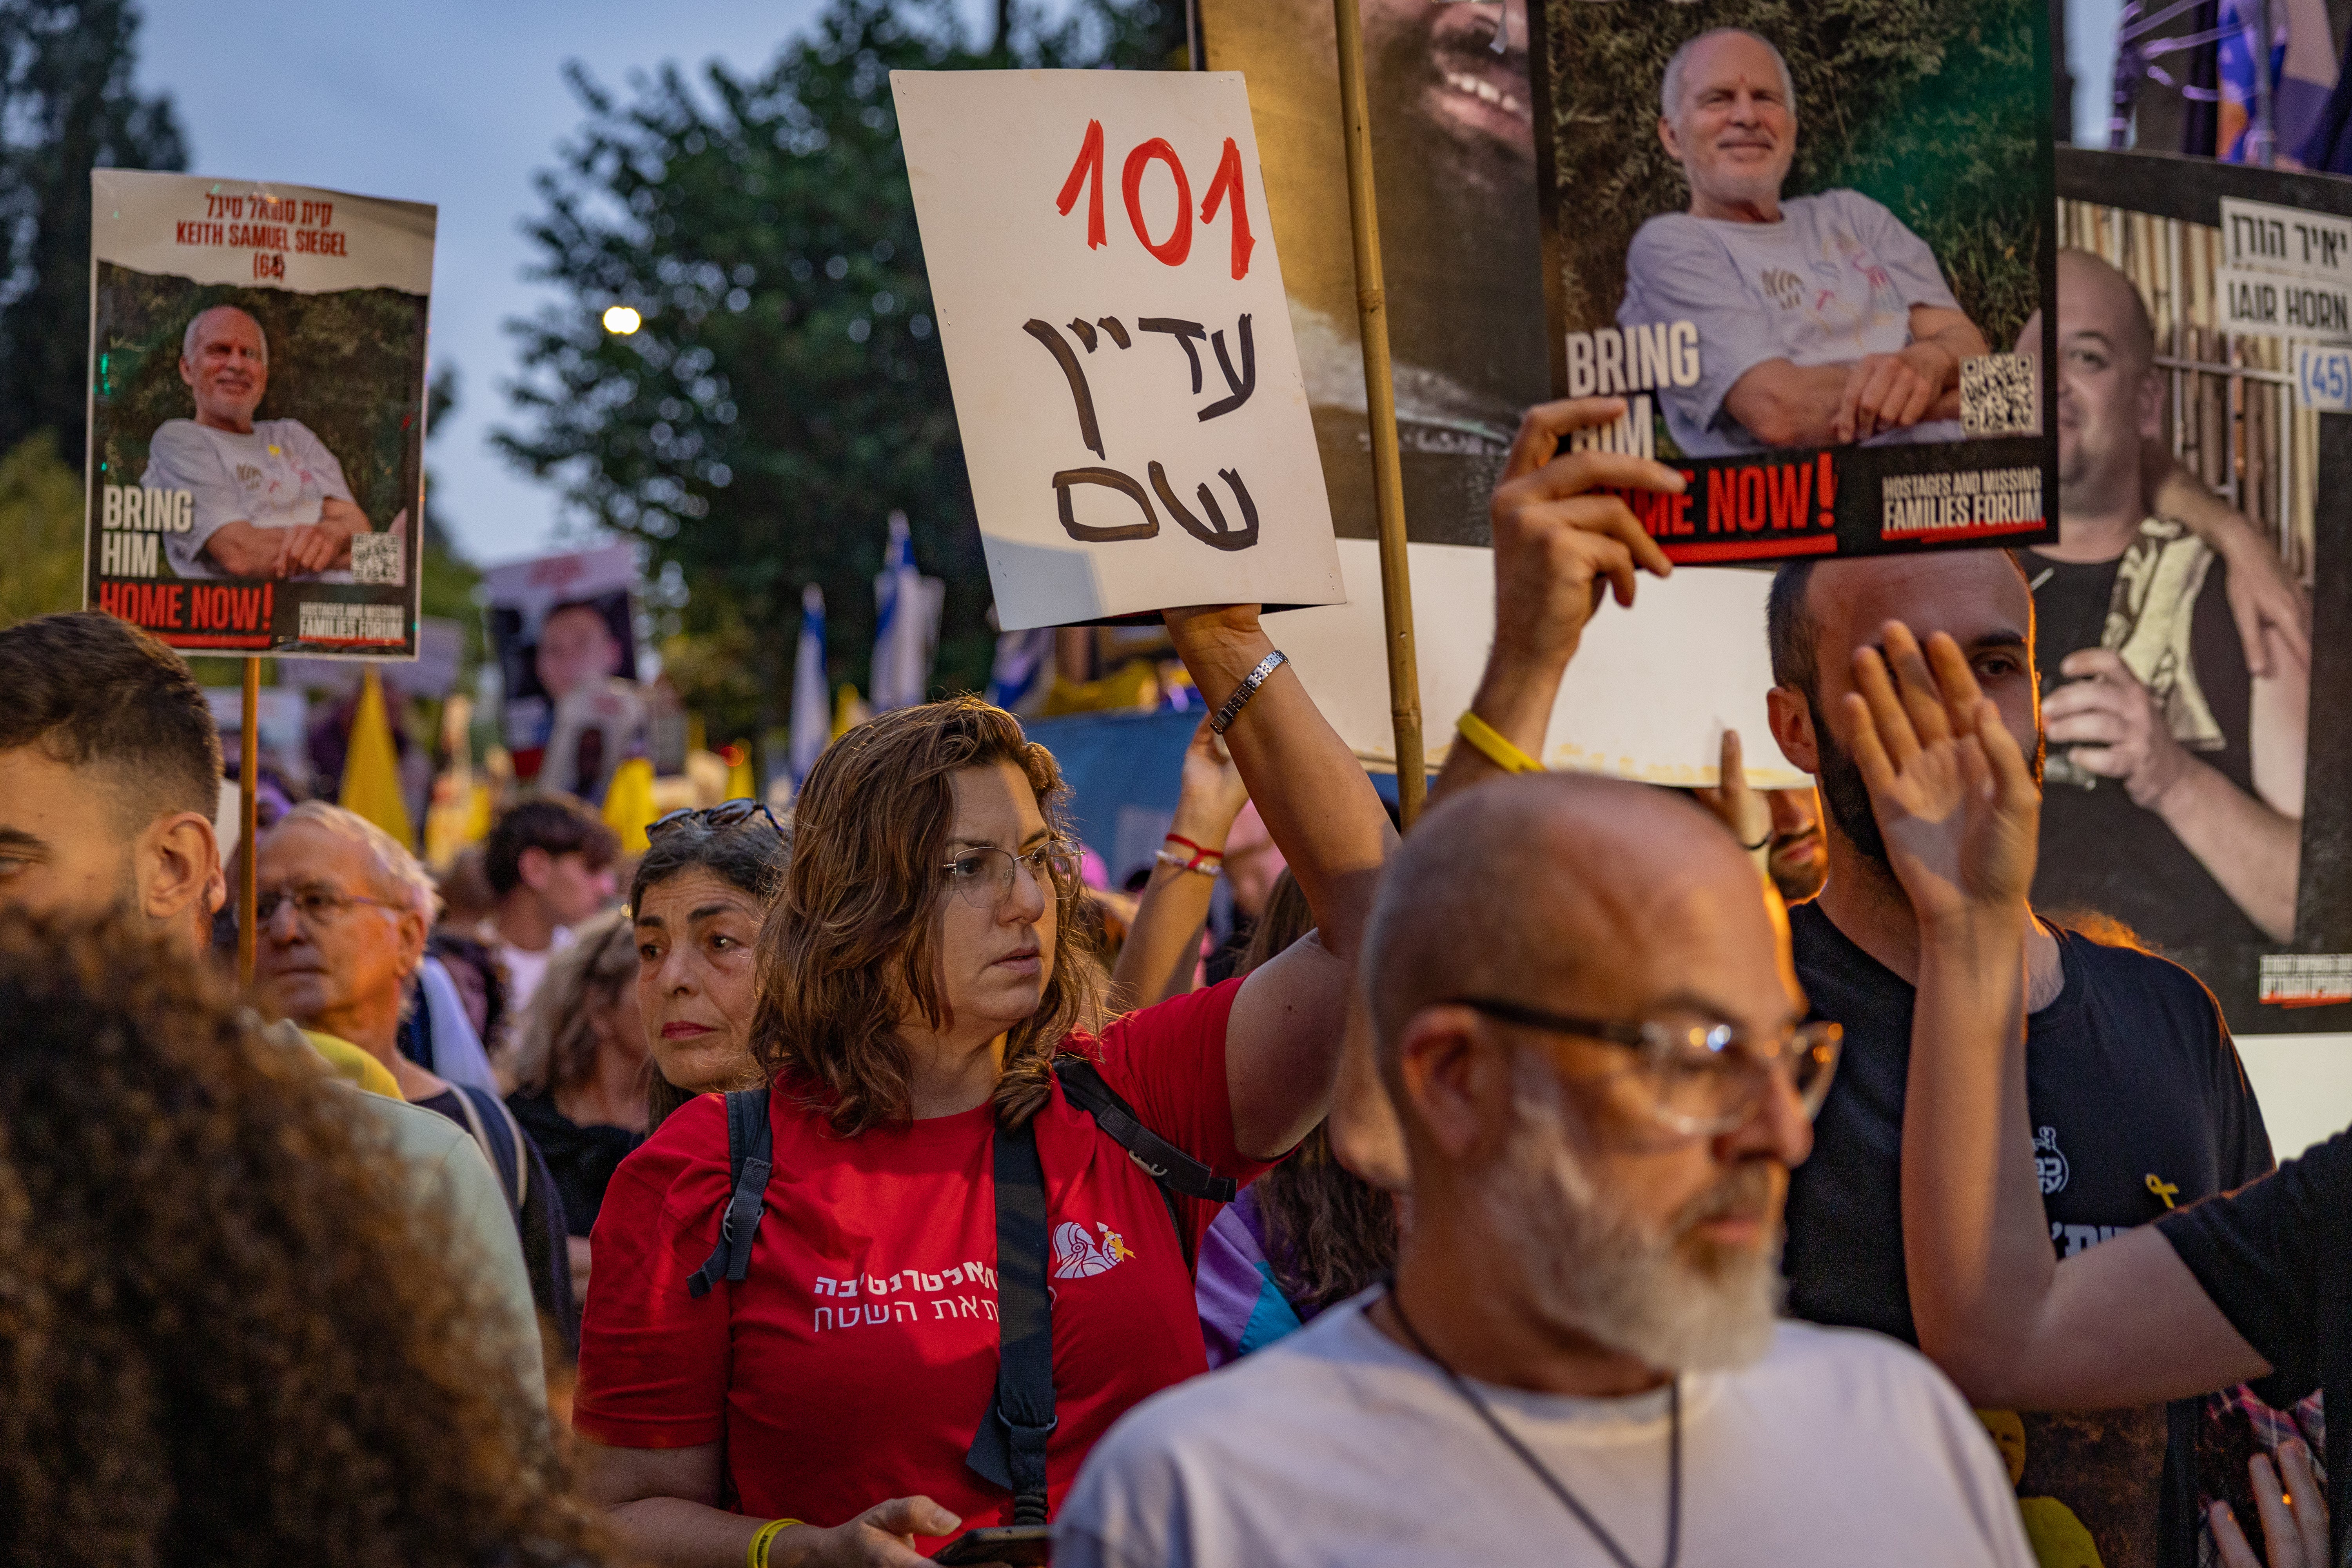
[40,523]
[1932,107]
[66,106]
[787,391]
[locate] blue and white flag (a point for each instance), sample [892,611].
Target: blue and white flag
[1023,671]
[905,624]
[812,693]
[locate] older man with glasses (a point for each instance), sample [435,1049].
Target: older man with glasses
[1587,1022]
[1586,1017]
[341,913]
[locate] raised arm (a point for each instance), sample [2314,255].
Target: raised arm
[1558,547]
[2124,1323]
[1163,946]
[1283,1042]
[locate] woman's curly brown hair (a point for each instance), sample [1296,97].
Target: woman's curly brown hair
[221,1338]
[857,922]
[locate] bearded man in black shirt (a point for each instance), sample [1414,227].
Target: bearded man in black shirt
[2174,790]
[2135,1094]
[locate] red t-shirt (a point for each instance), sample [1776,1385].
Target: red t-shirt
[855,1361]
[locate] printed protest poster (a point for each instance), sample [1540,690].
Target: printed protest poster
[1455,160]
[1133,414]
[564,630]
[2213,825]
[1801,242]
[256,413]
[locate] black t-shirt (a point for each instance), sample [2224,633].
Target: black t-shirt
[582,1158]
[2099,850]
[2276,1258]
[2136,1097]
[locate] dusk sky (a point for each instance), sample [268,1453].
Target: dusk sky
[445,102]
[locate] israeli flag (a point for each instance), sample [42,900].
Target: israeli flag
[906,627]
[1023,671]
[812,693]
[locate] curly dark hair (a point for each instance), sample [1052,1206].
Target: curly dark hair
[870,834]
[222,1340]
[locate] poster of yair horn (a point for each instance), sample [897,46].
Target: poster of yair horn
[256,413]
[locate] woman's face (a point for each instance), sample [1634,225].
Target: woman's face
[695,939]
[995,947]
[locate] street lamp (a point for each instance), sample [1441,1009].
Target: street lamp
[622,320]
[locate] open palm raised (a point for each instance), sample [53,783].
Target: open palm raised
[1953,795]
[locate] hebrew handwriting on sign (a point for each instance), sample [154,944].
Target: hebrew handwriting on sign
[1211,528]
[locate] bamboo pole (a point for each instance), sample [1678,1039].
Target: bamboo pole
[249,761]
[1380,409]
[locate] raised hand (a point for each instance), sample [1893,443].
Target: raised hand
[2293,1514]
[1558,536]
[1951,791]
[1212,793]
[1747,814]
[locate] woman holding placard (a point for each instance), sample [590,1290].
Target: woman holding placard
[848,1321]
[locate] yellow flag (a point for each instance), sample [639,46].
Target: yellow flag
[739,785]
[629,807]
[371,767]
[849,710]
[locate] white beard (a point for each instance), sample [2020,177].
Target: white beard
[1594,1269]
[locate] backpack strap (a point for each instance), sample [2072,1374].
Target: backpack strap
[1170,1169]
[503,1147]
[750,1151]
[1165,1164]
[1008,1448]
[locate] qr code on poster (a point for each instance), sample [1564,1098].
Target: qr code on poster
[1999,396]
[375,559]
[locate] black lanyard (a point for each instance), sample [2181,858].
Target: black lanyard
[1543,1474]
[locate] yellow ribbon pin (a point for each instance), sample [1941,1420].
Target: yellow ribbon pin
[2162,1189]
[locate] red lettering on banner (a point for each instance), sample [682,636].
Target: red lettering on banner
[1790,490]
[1827,491]
[1751,499]
[1722,501]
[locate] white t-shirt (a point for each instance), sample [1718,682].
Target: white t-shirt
[525,968]
[1833,281]
[1839,1450]
[278,477]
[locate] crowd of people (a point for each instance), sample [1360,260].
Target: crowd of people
[1596,1175]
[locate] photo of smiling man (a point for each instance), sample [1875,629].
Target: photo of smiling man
[270,501]
[1822,319]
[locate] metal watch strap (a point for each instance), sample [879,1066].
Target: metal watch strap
[1247,689]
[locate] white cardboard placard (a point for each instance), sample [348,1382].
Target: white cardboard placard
[1103,269]
[1648,698]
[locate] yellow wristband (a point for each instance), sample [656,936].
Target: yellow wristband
[1493,745]
[756,1555]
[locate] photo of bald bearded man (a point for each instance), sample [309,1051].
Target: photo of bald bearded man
[2174,797]
[1823,319]
[271,499]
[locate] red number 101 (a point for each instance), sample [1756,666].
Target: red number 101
[1087,173]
